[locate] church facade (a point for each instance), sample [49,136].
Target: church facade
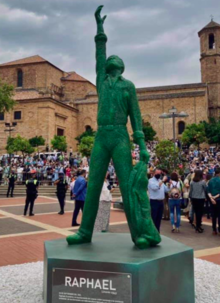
[53,102]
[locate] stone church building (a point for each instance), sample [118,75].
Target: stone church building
[53,102]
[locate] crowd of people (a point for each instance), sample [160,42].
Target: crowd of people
[195,192]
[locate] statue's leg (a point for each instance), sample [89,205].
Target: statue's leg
[98,167]
[123,165]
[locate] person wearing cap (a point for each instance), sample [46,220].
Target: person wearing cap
[62,187]
[11,183]
[32,190]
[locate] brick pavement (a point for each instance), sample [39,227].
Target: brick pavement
[22,238]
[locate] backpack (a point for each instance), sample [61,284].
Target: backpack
[175,192]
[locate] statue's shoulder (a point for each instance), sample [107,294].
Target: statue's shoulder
[128,83]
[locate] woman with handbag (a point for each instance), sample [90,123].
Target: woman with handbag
[175,198]
[197,195]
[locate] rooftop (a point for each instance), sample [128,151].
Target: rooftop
[28,60]
[211,24]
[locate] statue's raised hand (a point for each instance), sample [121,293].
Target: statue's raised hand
[98,17]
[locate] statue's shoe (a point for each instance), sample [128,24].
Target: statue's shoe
[76,239]
[142,243]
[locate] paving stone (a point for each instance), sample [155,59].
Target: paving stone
[24,249]
[15,201]
[12,226]
[38,208]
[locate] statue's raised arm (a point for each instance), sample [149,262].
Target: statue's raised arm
[100,40]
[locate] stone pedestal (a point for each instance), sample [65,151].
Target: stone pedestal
[111,269]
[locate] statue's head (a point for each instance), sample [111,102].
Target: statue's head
[114,62]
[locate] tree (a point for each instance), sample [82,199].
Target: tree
[37,141]
[88,133]
[86,145]
[149,132]
[59,143]
[194,134]
[6,94]
[19,144]
[168,156]
[212,131]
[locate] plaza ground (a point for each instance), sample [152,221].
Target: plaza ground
[22,238]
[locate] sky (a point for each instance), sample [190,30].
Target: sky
[157,39]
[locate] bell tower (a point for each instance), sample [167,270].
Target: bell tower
[210,64]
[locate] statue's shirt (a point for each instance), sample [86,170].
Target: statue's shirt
[117,99]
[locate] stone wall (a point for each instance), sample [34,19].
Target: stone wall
[42,117]
[74,90]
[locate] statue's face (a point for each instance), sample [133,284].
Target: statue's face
[114,62]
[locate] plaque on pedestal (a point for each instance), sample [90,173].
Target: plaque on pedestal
[110,270]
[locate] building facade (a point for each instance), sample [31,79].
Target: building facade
[53,102]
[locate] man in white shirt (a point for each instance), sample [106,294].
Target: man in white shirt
[157,190]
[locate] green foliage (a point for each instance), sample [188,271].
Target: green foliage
[167,155]
[37,141]
[86,145]
[194,134]
[59,143]
[149,132]
[19,144]
[6,94]
[9,146]
[88,133]
[212,131]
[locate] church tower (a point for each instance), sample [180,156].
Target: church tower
[210,65]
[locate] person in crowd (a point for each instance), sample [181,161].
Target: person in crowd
[103,216]
[11,183]
[32,191]
[197,195]
[175,196]
[214,195]
[208,200]
[68,173]
[79,194]
[62,187]
[157,190]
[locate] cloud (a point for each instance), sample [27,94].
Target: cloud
[157,40]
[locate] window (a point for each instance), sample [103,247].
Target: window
[17,115]
[2,116]
[87,128]
[211,41]
[20,78]
[60,132]
[181,127]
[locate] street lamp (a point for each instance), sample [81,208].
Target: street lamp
[10,127]
[173,114]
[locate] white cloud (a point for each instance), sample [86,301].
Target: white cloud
[14,15]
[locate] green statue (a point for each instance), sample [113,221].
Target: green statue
[117,101]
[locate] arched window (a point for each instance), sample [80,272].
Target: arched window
[181,127]
[88,128]
[211,41]
[19,78]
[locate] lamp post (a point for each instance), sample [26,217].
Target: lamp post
[173,114]
[9,128]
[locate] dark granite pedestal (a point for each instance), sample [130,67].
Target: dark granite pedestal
[112,270]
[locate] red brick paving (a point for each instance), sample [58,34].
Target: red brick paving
[24,249]
[212,258]
[56,220]
[65,221]
[17,201]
